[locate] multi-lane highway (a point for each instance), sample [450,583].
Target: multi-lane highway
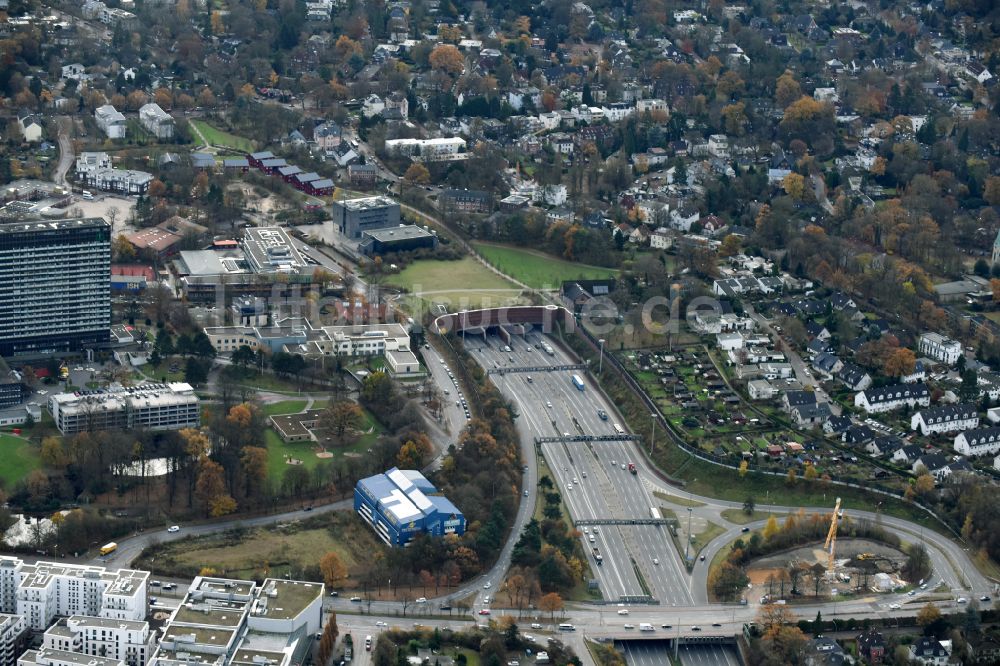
[592,476]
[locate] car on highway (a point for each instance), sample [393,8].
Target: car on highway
[716,624]
[623,611]
[423,600]
[484,611]
[381,623]
[702,558]
[569,486]
[666,626]
[548,404]
[745,529]
[911,593]
[583,474]
[356,600]
[656,561]
[630,626]
[696,628]
[924,586]
[446,607]
[893,606]
[535,625]
[174,528]
[575,480]
[154,583]
[961,600]
[487,585]
[603,415]
[984,598]
[525,492]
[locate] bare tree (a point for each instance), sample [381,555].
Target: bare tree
[112,213]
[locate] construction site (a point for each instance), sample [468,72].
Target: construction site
[834,568]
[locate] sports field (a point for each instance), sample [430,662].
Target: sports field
[537,269]
[217,137]
[459,284]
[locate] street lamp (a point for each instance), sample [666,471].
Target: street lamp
[600,364]
[687,543]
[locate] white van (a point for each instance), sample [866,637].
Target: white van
[645,626]
[87,194]
[566,627]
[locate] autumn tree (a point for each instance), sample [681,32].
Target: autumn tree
[253,462]
[995,288]
[928,615]
[328,639]
[551,603]
[771,528]
[53,453]
[787,89]
[340,419]
[447,58]
[781,640]
[794,185]
[991,190]
[900,363]
[210,489]
[417,173]
[333,570]
[731,245]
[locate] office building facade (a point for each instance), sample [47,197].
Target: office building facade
[353,217]
[55,286]
[148,406]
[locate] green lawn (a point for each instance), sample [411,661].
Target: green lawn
[284,407]
[19,458]
[459,284]
[217,137]
[278,451]
[537,269]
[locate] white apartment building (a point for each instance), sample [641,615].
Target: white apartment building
[111,121]
[945,418]
[43,591]
[939,347]
[148,406]
[12,638]
[227,622]
[978,442]
[130,641]
[50,657]
[895,396]
[156,121]
[428,149]
[651,106]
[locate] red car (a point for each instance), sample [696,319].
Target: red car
[485,611]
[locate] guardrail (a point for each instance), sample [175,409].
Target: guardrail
[535,368]
[625,521]
[589,438]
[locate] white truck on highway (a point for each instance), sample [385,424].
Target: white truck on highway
[646,626]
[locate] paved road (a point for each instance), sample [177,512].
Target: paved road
[66,155]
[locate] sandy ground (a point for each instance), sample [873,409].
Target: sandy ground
[100,205]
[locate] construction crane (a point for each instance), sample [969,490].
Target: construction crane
[831,537]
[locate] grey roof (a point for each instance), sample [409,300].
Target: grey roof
[202,262]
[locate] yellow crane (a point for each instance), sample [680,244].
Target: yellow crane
[831,537]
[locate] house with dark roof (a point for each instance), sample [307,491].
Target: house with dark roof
[945,418]
[576,294]
[906,454]
[978,442]
[883,445]
[929,652]
[817,331]
[893,396]
[792,399]
[466,201]
[839,301]
[837,424]
[857,434]
[827,363]
[854,377]
[810,415]
[872,646]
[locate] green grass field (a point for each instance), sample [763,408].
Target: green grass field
[537,269]
[459,284]
[278,451]
[19,458]
[284,407]
[217,137]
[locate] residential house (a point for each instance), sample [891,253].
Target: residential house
[328,136]
[31,128]
[918,374]
[893,396]
[906,455]
[817,331]
[577,294]
[111,121]
[827,363]
[760,389]
[661,239]
[837,424]
[928,652]
[811,415]
[872,646]
[857,434]
[945,418]
[978,442]
[817,346]
[372,106]
[931,462]
[883,445]
[156,121]
[362,175]
[939,347]
[792,399]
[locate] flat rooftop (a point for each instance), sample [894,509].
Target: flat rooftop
[36,226]
[270,249]
[215,614]
[198,635]
[286,599]
[367,203]
[402,232]
[292,424]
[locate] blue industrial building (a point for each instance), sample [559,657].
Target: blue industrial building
[402,503]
